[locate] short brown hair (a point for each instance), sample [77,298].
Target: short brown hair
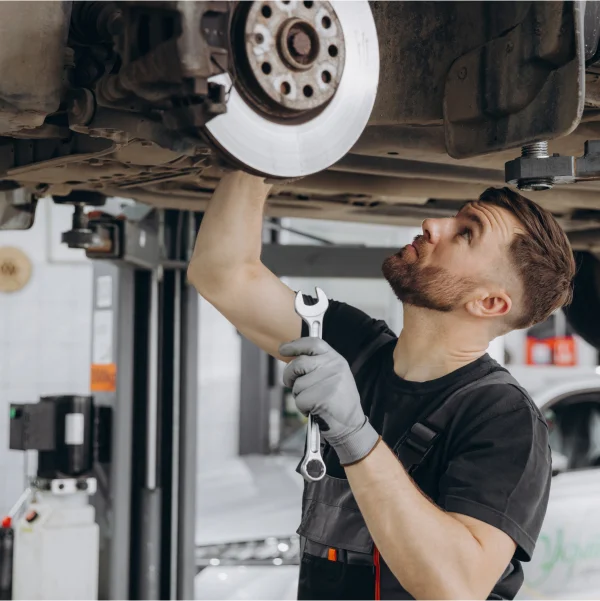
[542,256]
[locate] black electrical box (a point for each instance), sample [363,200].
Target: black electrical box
[32,427]
[68,432]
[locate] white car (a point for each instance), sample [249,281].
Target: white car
[249,509]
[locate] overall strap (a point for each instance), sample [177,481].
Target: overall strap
[422,437]
[365,354]
[369,350]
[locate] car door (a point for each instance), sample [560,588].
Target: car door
[566,561]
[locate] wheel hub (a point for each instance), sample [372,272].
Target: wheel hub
[271,126]
[293,55]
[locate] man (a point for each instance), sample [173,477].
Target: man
[430,402]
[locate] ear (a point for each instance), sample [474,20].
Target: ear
[489,304]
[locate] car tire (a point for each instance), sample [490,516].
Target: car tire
[583,314]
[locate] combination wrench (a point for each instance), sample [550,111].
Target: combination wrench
[312,467]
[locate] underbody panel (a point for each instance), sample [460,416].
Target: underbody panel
[385,112]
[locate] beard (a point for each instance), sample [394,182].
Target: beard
[429,286]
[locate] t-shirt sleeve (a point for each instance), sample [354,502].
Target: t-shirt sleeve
[347,329]
[500,470]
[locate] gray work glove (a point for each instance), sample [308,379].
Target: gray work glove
[323,385]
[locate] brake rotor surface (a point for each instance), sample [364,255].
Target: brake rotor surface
[280,130]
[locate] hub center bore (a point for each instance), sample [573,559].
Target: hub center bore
[299,44]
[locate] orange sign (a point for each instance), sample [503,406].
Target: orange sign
[104,377]
[551,351]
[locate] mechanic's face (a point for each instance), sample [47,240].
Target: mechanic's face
[457,261]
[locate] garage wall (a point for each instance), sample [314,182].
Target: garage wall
[45,345]
[45,333]
[218,387]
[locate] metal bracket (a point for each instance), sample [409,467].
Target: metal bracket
[125,241]
[70,486]
[541,172]
[17,209]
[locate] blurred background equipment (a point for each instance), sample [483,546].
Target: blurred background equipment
[551,342]
[55,533]
[15,269]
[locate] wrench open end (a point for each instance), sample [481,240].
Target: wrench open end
[315,310]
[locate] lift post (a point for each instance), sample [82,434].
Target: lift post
[144,366]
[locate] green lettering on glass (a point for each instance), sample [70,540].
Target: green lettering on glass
[556,552]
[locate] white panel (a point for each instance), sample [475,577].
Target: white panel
[102,337]
[74,423]
[104,292]
[61,548]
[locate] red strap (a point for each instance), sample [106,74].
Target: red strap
[377,564]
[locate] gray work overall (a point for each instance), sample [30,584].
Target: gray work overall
[332,527]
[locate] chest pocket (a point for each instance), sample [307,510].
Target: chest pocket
[331,517]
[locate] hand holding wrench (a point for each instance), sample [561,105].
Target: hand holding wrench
[312,467]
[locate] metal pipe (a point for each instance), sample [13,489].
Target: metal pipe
[176,433]
[174,264]
[190,236]
[152,407]
[282,228]
[16,509]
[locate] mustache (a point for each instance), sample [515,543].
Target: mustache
[418,242]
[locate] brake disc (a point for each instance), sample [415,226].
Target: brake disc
[305,80]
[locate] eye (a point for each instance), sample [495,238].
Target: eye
[467,234]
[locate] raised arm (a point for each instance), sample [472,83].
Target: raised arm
[227,271]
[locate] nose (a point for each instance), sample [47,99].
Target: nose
[434,229]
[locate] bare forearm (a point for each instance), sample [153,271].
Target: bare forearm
[227,271]
[432,554]
[231,232]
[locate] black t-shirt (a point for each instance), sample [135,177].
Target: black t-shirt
[494,459]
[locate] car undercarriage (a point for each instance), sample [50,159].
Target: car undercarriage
[382,112]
